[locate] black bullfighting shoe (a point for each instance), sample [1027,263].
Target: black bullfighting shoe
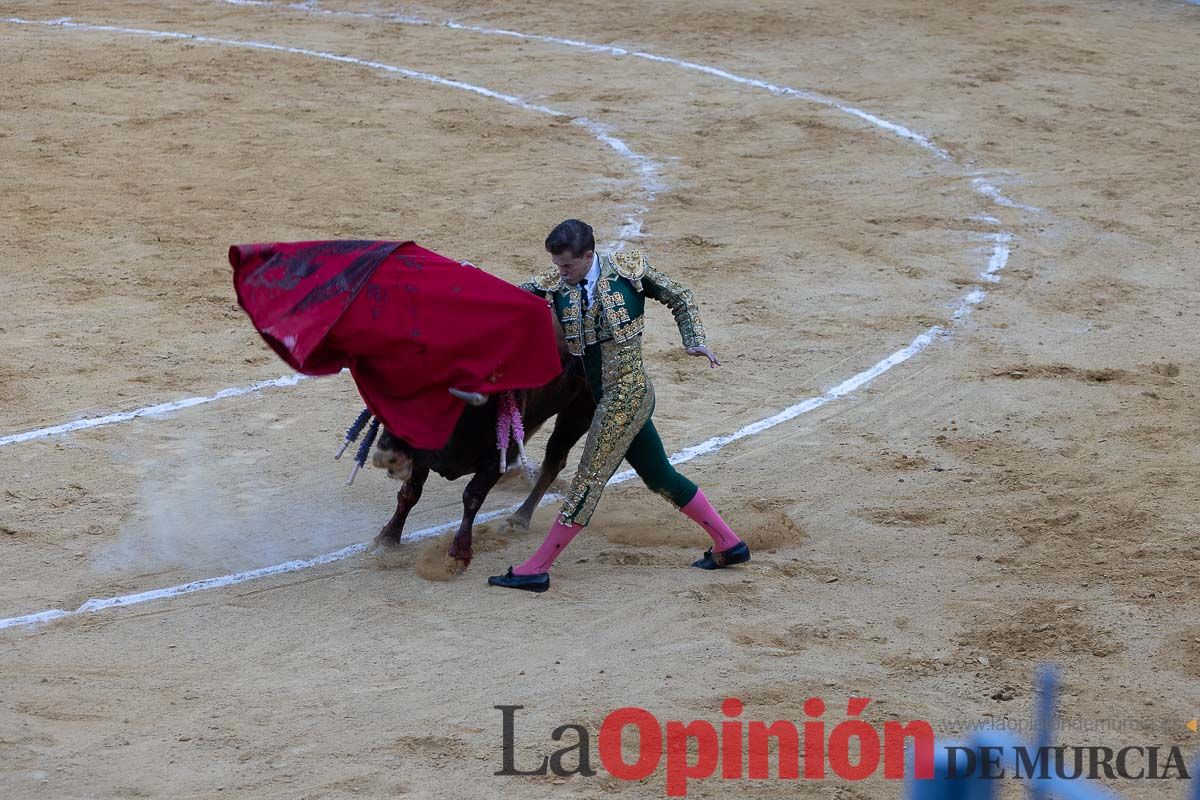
[738,554]
[539,582]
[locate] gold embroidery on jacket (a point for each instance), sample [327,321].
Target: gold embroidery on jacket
[631,266]
[545,283]
[627,395]
[572,321]
[625,405]
[683,306]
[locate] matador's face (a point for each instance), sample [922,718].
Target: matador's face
[572,268]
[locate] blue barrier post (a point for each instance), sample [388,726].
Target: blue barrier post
[944,786]
[968,783]
[1044,716]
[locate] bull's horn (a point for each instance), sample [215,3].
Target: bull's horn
[471,398]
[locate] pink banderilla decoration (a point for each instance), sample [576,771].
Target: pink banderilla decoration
[509,424]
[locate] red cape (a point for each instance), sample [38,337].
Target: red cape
[407,322]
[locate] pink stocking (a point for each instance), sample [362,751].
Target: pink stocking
[699,510]
[557,539]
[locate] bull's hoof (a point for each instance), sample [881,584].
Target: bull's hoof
[433,563]
[461,557]
[386,539]
[516,524]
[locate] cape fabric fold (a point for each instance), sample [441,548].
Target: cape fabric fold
[407,322]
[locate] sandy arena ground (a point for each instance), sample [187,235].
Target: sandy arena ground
[1022,490]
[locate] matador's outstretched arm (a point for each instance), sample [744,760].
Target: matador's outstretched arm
[657,286]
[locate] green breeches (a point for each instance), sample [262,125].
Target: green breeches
[621,430]
[649,460]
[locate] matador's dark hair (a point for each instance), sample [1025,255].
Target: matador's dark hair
[573,235]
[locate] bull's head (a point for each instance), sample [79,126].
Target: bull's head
[395,455]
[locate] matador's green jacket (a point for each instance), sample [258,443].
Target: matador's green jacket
[608,338]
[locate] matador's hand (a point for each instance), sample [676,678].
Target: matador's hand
[704,351]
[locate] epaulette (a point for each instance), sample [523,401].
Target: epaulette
[548,281]
[630,265]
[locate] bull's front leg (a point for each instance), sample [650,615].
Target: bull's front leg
[569,428]
[406,498]
[473,496]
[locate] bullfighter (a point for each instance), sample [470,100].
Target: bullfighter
[600,301]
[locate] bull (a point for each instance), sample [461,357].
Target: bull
[472,450]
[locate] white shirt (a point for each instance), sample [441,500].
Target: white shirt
[592,277]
